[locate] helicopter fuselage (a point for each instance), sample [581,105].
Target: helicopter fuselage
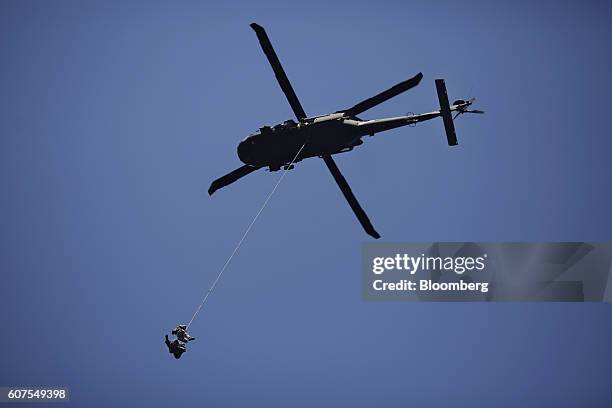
[322,136]
[276,146]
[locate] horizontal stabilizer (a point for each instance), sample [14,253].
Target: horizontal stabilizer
[385,95]
[445,112]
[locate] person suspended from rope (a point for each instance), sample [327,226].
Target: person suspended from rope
[175,347]
[181,334]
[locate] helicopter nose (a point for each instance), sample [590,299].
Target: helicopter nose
[245,150]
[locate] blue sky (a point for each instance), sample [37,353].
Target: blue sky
[116,116]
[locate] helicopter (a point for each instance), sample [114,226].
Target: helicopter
[323,136]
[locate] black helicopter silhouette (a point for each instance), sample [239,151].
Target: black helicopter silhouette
[325,135]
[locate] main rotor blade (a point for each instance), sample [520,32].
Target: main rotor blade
[350,197]
[385,95]
[229,178]
[279,72]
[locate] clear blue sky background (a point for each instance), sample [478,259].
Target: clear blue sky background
[116,116]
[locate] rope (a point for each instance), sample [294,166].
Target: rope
[212,288]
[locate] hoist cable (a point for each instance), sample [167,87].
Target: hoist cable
[212,287]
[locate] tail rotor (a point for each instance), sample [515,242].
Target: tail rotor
[459,106]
